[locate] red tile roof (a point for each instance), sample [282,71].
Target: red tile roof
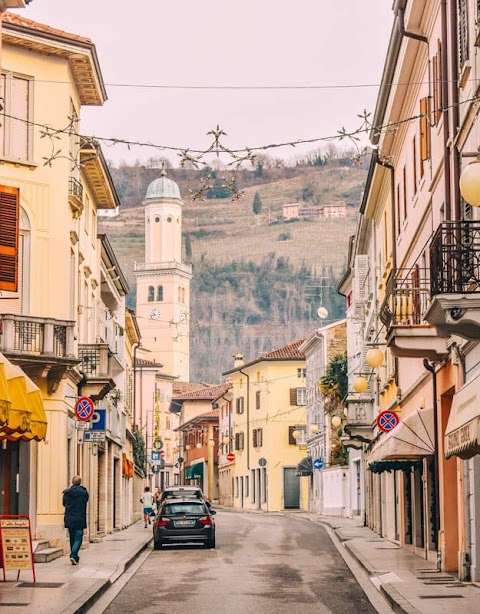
[287,352]
[215,413]
[19,20]
[210,393]
[183,387]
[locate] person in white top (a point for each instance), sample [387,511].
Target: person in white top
[147,502]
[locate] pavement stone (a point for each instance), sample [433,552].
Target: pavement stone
[101,564]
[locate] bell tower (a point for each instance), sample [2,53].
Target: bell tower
[163,281]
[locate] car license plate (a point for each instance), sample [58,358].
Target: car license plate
[184,523]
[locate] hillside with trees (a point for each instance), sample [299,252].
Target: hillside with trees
[259,278]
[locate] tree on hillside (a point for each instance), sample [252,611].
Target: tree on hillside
[257,203]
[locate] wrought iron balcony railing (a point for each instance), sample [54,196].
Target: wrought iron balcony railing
[75,189]
[455,258]
[95,359]
[407,297]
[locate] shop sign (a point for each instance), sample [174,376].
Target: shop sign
[16,545]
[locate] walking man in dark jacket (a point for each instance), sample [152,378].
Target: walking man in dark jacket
[75,501]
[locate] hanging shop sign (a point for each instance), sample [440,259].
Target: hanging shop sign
[16,545]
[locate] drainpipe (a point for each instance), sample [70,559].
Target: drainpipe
[431,368]
[135,348]
[82,382]
[445,100]
[454,102]
[248,416]
[229,419]
[399,10]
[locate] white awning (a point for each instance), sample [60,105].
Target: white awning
[462,435]
[413,438]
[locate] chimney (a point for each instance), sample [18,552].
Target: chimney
[238,360]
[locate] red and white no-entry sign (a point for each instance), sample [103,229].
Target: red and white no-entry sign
[230,456]
[84,408]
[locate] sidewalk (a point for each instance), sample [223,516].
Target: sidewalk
[62,588]
[410,584]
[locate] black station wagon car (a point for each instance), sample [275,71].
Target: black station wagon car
[184,521]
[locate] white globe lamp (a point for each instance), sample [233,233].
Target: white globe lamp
[470,183]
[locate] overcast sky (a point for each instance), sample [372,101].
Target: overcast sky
[227,43]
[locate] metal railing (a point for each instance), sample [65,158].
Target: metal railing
[455,258]
[95,359]
[75,188]
[407,297]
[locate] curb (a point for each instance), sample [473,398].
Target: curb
[397,601]
[93,594]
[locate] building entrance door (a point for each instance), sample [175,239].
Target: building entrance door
[9,476]
[291,488]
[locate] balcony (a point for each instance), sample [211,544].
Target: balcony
[407,300]
[75,196]
[96,365]
[360,419]
[455,279]
[42,347]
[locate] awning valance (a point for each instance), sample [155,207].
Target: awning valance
[194,471]
[22,415]
[462,435]
[412,438]
[305,467]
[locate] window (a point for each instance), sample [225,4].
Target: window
[404,193]
[257,438]
[179,295]
[159,293]
[462,33]
[424,131]
[291,439]
[257,399]
[302,372]
[398,207]
[414,167]
[176,479]
[298,396]
[236,487]
[167,423]
[239,441]
[246,486]
[239,405]
[437,84]
[151,294]
[183,295]
[9,225]
[15,132]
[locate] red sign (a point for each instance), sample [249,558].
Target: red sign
[230,456]
[84,408]
[387,420]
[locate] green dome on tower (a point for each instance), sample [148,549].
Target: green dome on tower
[163,187]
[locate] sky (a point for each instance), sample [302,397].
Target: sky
[221,43]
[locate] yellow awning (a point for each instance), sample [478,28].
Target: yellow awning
[22,405]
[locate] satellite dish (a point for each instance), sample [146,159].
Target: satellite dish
[322,313]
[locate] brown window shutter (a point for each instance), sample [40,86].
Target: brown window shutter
[293,396]
[257,399]
[9,218]
[291,439]
[424,130]
[255,442]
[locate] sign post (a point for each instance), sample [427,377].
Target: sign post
[16,545]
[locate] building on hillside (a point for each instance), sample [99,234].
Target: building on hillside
[334,210]
[198,414]
[414,287]
[291,211]
[328,491]
[163,280]
[268,395]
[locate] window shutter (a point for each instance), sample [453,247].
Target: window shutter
[260,437]
[257,399]
[254,433]
[3,95]
[9,220]
[19,130]
[291,439]
[293,396]
[438,84]
[462,33]
[424,130]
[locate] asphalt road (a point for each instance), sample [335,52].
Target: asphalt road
[263,564]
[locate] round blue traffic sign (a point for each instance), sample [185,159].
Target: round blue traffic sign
[387,420]
[318,463]
[84,408]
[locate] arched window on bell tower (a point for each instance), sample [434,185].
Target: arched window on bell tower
[160,293]
[151,294]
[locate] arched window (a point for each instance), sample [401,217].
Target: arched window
[179,295]
[160,293]
[183,295]
[151,294]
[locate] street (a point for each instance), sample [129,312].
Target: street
[262,563]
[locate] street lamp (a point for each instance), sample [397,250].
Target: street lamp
[314,429]
[374,357]
[360,384]
[336,421]
[470,183]
[296,435]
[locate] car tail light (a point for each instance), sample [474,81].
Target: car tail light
[162,522]
[206,521]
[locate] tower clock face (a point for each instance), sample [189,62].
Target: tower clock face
[154,314]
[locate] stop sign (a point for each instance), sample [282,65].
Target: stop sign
[230,456]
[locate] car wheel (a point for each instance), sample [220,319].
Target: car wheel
[157,544]
[210,543]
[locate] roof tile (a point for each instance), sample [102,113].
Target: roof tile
[19,20]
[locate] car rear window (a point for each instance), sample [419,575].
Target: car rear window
[176,494]
[183,508]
